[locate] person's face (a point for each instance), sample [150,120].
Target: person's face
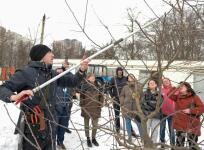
[152,85]
[120,72]
[166,82]
[66,65]
[92,79]
[183,89]
[48,58]
[131,79]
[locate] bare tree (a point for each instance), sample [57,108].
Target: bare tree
[175,36]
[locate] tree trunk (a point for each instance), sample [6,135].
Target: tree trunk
[148,143]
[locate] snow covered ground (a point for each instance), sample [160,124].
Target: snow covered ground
[8,141]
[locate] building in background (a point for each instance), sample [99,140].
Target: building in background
[68,48]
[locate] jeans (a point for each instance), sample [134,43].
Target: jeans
[62,119]
[153,128]
[163,128]
[128,126]
[69,108]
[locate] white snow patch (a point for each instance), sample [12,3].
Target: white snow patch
[8,141]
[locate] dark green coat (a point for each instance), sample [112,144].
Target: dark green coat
[91,100]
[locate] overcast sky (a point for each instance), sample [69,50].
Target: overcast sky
[20,15]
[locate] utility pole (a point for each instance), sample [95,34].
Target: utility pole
[42,31]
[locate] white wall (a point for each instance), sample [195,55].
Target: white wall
[134,72]
[176,77]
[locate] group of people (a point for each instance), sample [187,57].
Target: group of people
[45,114]
[179,106]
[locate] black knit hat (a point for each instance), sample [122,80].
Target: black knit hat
[37,52]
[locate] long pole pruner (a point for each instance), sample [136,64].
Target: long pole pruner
[89,58]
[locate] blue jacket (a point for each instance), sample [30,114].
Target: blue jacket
[63,96]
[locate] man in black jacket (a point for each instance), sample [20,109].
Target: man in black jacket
[116,85]
[39,111]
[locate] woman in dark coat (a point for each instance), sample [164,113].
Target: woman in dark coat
[188,107]
[91,102]
[149,101]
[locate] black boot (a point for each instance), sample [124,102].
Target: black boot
[134,134]
[95,142]
[117,130]
[89,142]
[68,131]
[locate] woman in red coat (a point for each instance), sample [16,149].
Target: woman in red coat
[186,120]
[167,109]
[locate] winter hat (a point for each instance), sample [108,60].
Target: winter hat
[37,52]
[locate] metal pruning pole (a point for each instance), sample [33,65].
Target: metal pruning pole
[89,58]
